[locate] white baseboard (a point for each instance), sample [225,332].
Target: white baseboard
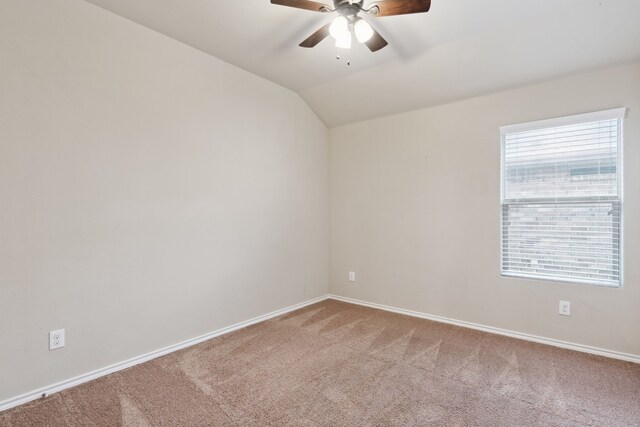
[542,340]
[54,388]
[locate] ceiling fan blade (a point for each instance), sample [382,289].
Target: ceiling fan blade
[398,7]
[376,42]
[316,37]
[303,4]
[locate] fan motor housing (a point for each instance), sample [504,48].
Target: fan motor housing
[347,8]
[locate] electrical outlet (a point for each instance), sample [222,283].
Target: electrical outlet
[56,339]
[565,308]
[352,276]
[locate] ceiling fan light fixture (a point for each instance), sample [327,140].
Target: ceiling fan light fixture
[349,24]
[363,30]
[339,27]
[344,41]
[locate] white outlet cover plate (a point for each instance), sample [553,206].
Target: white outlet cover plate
[565,308]
[56,339]
[352,276]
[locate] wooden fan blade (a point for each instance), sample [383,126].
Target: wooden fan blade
[302,4]
[376,42]
[399,7]
[316,37]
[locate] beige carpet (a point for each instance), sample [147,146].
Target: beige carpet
[337,364]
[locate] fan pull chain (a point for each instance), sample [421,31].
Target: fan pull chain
[338,57]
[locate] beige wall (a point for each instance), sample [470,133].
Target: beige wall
[415,213]
[149,192]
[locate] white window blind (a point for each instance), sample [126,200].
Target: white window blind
[562,198]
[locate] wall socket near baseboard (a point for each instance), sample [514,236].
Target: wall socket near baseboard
[564,308]
[352,276]
[56,339]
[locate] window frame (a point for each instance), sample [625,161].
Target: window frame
[618,114]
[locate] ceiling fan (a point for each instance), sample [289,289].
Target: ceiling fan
[348,22]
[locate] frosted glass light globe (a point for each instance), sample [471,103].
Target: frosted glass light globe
[344,41]
[363,30]
[339,27]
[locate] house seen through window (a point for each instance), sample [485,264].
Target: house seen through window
[562,199]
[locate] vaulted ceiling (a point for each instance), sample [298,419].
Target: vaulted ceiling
[460,49]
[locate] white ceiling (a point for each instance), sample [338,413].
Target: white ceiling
[460,49]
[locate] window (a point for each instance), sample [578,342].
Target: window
[562,199]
